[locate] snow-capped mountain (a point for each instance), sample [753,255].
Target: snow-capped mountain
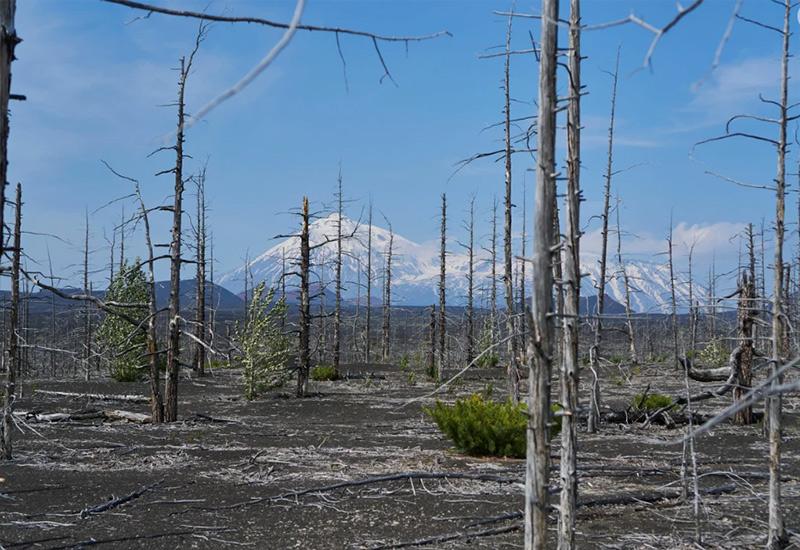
[415,270]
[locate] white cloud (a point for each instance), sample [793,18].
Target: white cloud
[709,238]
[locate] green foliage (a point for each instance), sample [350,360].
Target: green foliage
[218,364]
[264,350]
[405,362]
[412,379]
[479,426]
[714,355]
[121,341]
[490,358]
[324,373]
[650,402]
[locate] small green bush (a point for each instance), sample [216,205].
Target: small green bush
[714,355]
[479,426]
[125,373]
[650,402]
[324,373]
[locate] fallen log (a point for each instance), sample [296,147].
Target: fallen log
[116,502]
[719,374]
[111,415]
[96,396]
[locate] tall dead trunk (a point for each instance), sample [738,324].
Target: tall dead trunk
[304,366]
[572,296]
[87,318]
[153,353]
[11,359]
[493,282]
[508,276]
[627,285]
[594,352]
[432,343]
[201,330]
[175,261]
[442,289]
[745,316]
[537,470]
[470,329]
[337,312]
[673,299]
[387,298]
[368,320]
[777,532]
[523,322]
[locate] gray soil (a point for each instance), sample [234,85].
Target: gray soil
[229,473]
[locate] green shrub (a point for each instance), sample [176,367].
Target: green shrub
[117,337]
[324,373]
[650,402]
[714,355]
[479,426]
[405,362]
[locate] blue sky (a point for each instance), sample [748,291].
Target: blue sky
[95,79]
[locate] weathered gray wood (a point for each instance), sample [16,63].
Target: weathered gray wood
[572,288]
[442,290]
[537,467]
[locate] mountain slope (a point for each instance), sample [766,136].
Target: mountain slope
[415,270]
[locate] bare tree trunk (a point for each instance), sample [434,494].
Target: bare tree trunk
[626,282]
[305,305]
[594,352]
[153,353]
[572,291]
[470,282]
[387,298]
[87,320]
[493,287]
[432,343]
[673,300]
[513,355]
[174,327]
[442,289]
[692,308]
[777,532]
[12,348]
[201,331]
[337,313]
[368,320]
[746,313]
[537,470]
[523,324]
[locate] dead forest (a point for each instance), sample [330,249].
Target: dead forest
[145,405]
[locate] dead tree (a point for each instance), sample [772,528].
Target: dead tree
[87,312]
[572,290]
[200,327]
[304,366]
[432,343]
[777,531]
[692,305]
[627,285]
[746,321]
[387,297]
[493,275]
[442,289]
[523,325]
[537,470]
[11,358]
[368,320]
[513,355]
[673,299]
[153,353]
[174,326]
[337,312]
[470,246]
[594,352]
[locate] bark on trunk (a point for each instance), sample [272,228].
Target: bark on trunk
[540,342]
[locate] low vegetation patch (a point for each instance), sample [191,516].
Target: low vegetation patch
[480,426]
[651,402]
[324,373]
